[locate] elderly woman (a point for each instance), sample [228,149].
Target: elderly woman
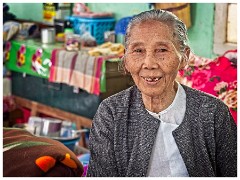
[159,127]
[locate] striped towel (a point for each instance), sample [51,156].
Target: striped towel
[77,69]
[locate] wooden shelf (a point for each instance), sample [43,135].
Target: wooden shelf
[36,108]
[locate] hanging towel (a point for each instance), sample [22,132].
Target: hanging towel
[87,72]
[64,66]
[77,69]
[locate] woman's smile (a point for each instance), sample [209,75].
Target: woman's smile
[151,80]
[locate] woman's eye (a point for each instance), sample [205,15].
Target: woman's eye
[161,50]
[137,50]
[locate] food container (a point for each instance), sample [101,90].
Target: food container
[67,128]
[109,36]
[48,35]
[69,142]
[51,127]
[73,42]
[95,26]
[36,124]
[72,138]
[62,131]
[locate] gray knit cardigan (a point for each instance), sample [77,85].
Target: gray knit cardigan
[123,134]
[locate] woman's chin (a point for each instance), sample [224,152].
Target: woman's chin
[151,92]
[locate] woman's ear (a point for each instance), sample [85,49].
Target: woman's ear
[187,52]
[185,58]
[125,66]
[124,63]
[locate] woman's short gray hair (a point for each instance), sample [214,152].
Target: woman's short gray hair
[166,17]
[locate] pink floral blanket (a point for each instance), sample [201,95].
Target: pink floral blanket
[217,77]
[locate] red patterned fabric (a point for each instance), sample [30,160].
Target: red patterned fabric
[217,77]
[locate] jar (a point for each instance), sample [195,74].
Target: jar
[48,35]
[72,42]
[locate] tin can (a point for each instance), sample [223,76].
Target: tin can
[48,35]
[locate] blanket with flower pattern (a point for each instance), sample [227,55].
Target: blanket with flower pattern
[26,155]
[214,76]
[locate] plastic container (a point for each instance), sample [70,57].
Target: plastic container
[121,25]
[95,26]
[66,130]
[70,144]
[84,159]
[72,42]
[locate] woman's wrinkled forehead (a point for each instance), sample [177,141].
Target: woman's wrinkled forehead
[155,29]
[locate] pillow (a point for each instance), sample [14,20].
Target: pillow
[26,155]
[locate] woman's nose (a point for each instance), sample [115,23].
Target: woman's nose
[150,62]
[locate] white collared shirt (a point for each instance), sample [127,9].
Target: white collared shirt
[166,160]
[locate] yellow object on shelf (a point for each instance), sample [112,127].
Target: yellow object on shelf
[49,12]
[107,48]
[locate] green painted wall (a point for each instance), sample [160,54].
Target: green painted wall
[29,11]
[200,34]
[120,9]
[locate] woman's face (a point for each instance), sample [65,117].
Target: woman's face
[152,59]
